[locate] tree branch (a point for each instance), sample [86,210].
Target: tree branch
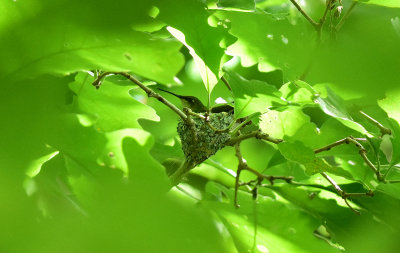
[345,195]
[257,134]
[362,152]
[260,177]
[383,129]
[149,92]
[312,22]
[345,16]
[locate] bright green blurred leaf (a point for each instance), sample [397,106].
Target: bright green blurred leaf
[395,139]
[387,3]
[286,123]
[391,104]
[73,35]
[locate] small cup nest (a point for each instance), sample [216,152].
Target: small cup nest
[208,141]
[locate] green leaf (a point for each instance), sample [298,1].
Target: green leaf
[391,103]
[352,60]
[396,25]
[395,139]
[384,204]
[239,4]
[356,167]
[386,3]
[333,105]
[267,225]
[272,42]
[286,123]
[251,96]
[343,225]
[76,35]
[190,26]
[296,94]
[297,152]
[111,106]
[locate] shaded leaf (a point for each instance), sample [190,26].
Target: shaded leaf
[395,139]
[73,35]
[239,4]
[262,225]
[352,60]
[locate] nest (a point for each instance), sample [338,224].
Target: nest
[208,141]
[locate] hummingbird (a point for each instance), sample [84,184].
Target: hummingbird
[197,106]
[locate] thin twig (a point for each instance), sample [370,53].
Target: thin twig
[239,170]
[393,181]
[257,134]
[383,129]
[362,152]
[339,191]
[327,8]
[149,92]
[318,29]
[260,177]
[312,22]
[241,125]
[345,16]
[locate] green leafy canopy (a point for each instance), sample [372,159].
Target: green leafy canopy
[310,93]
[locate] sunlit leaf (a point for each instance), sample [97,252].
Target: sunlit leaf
[272,42]
[251,96]
[391,103]
[190,23]
[111,106]
[387,3]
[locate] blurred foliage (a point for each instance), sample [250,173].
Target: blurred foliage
[83,170]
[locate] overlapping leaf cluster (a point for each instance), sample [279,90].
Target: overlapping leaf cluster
[81,169]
